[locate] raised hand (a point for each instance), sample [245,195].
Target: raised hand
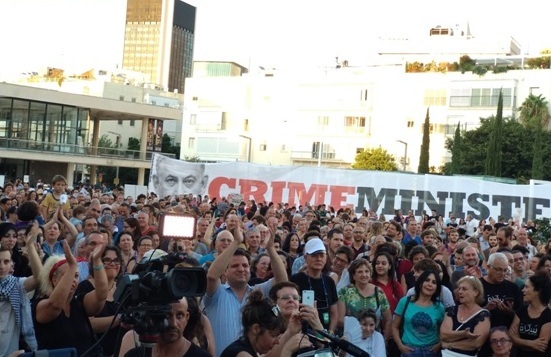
[98,252]
[33,233]
[71,261]
[237,235]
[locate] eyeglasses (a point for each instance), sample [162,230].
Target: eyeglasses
[108,261]
[501,341]
[499,270]
[337,259]
[289,297]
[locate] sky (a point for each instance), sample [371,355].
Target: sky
[272,34]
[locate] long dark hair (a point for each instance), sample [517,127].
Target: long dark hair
[286,247]
[422,278]
[194,327]
[391,263]
[391,271]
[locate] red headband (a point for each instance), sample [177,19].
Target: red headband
[56,265]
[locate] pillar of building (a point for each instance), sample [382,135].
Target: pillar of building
[141,174]
[95,141]
[70,174]
[143,150]
[143,139]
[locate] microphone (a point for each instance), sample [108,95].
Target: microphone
[344,345]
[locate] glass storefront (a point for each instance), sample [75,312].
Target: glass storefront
[42,126]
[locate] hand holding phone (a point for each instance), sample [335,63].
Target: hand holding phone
[308,297]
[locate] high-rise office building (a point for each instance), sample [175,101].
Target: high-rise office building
[158,41]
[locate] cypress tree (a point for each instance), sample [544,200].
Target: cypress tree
[537,158]
[455,167]
[493,154]
[425,146]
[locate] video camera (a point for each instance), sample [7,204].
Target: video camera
[145,295]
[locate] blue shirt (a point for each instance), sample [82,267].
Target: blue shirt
[206,258]
[421,323]
[297,264]
[408,238]
[223,309]
[56,250]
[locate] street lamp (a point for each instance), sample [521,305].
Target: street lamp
[405,153]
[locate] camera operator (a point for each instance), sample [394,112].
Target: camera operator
[223,303]
[171,342]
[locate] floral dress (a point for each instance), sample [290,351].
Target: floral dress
[356,302]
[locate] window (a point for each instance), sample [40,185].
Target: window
[193,119]
[480,97]
[132,122]
[359,150]
[410,123]
[121,97]
[354,121]
[326,151]
[263,147]
[133,100]
[435,97]
[363,95]
[195,99]
[119,121]
[246,125]
[460,97]
[191,143]
[283,148]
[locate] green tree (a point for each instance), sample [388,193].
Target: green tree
[466,63]
[455,167]
[494,154]
[537,157]
[534,111]
[105,147]
[425,147]
[517,153]
[192,158]
[375,159]
[134,144]
[534,114]
[167,147]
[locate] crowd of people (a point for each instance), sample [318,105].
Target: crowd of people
[407,285]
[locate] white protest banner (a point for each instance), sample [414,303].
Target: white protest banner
[381,191]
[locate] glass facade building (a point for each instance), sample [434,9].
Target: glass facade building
[28,122]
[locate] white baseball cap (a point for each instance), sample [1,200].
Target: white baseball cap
[314,245]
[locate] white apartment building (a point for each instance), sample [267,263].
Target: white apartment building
[269,117]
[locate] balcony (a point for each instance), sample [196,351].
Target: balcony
[310,155]
[80,154]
